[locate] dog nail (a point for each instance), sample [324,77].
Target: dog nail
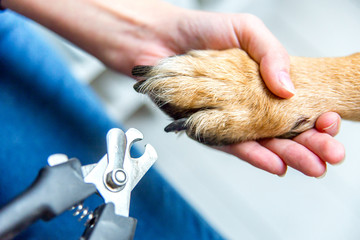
[141,70]
[176,126]
[138,85]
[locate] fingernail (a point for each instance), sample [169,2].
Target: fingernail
[322,176]
[284,174]
[339,163]
[331,126]
[286,83]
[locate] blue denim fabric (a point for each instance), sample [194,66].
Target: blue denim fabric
[44,110]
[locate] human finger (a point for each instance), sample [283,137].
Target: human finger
[323,145]
[256,39]
[296,156]
[258,156]
[329,123]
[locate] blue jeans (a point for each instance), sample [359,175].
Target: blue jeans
[44,110]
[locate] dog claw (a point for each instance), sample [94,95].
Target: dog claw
[176,126]
[141,70]
[137,86]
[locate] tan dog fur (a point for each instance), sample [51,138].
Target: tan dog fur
[220,97]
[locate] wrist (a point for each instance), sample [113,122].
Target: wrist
[95,26]
[142,35]
[117,32]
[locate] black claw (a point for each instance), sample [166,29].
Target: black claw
[137,85]
[141,70]
[176,126]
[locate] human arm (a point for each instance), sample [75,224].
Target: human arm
[123,34]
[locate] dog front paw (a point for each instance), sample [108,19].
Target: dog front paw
[218,98]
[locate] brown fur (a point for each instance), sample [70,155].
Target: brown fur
[220,98]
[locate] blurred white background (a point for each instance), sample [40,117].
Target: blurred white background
[242,202]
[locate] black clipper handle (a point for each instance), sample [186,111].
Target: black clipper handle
[54,190]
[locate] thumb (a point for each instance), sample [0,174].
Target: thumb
[256,39]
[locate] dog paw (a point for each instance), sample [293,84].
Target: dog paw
[219,98]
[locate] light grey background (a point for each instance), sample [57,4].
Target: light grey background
[240,201]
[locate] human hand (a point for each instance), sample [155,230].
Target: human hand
[310,151]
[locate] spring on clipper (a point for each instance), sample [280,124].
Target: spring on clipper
[83,212]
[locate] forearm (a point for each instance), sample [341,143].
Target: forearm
[111,30]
